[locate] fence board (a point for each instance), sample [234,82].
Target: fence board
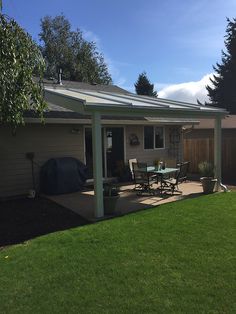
[197,150]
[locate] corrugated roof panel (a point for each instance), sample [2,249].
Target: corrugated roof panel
[127,100]
[132,100]
[83,97]
[147,99]
[164,102]
[103,99]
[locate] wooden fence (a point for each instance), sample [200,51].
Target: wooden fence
[201,149]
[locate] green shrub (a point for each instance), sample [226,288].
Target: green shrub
[206,169]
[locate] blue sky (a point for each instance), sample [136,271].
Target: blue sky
[175,42]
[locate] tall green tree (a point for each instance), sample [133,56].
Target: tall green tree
[223,91]
[20,59]
[144,87]
[78,58]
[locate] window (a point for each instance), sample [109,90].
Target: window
[148,137]
[153,137]
[159,137]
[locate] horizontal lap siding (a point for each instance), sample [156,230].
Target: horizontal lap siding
[142,154]
[46,141]
[49,141]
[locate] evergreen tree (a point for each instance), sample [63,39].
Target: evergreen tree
[223,92]
[78,58]
[144,87]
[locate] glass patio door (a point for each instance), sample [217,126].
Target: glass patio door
[112,148]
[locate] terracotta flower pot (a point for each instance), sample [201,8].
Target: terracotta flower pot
[208,184]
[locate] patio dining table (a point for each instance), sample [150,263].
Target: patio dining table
[161,173]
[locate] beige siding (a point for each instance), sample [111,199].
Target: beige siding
[49,141]
[150,155]
[46,141]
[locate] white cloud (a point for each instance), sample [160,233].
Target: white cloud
[189,91]
[91,36]
[113,69]
[113,66]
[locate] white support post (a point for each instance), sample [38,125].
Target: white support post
[97,164]
[217,150]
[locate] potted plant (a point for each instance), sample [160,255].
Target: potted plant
[110,197]
[207,179]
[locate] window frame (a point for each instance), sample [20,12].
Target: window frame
[154,137]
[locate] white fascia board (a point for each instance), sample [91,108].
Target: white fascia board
[107,122]
[156,112]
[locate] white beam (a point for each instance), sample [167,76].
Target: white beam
[97,164]
[217,150]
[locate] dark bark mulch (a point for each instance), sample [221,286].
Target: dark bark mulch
[24,219]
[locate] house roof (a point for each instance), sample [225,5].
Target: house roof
[109,103]
[84,86]
[228,123]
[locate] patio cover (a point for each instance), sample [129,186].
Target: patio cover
[103,103]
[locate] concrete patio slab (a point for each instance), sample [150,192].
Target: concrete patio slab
[83,202]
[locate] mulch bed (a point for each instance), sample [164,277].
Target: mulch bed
[24,219]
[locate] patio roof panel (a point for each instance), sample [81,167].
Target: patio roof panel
[109,101]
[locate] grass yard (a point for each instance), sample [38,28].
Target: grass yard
[176,258]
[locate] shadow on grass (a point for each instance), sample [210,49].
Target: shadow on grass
[24,219]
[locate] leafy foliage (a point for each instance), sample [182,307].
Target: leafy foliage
[66,49]
[20,59]
[223,92]
[144,87]
[206,169]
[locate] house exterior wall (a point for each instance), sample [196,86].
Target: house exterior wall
[46,141]
[171,151]
[59,140]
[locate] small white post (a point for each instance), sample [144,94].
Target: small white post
[217,150]
[97,164]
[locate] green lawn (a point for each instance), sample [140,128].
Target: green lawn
[175,258]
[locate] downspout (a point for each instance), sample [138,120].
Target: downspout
[224,187]
[218,152]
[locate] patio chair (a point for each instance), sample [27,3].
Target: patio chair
[131,161]
[143,179]
[172,184]
[185,168]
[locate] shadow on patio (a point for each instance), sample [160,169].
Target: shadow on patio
[83,202]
